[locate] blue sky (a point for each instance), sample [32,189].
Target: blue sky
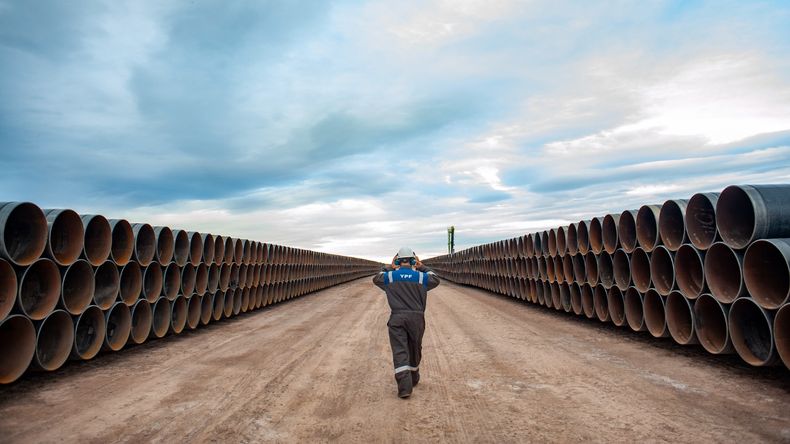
[357,127]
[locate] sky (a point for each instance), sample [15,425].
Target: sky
[357,127]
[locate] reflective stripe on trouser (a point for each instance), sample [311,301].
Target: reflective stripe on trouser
[406,331]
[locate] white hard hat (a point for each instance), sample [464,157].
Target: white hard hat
[405,252]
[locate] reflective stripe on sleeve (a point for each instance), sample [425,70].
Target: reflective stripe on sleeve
[404,368]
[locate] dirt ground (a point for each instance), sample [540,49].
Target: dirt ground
[318,369]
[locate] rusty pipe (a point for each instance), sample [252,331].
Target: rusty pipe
[54,338]
[206,308]
[8,288]
[208,248]
[701,220]
[97,242]
[647,220]
[562,244]
[680,319]
[194,307]
[171,281]
[238,251]
[591,266]
[24,232]
[588,302]
[17,347]
[690,271]
[245,300]
[672,223]
[123,243]
[107,285]
[165,245]
[219,249]
[579,272]
[626,230]
[131,283]
[723,272]
[583,236]
[766,272]
[188,276]
[655,314]
[745,213]
[616,304]
[118,326]
[178,315]
[237,299]
[621,266]
[782,334]
[712,329]
[601,303]
[39,289]
[572,239]
[595,234]
[195,248]
[230,250]
[89,331]
[576,298]
[142,320]
[201,278]
[219,305]
[182,247]
[552,237]
[662,270]
[77,287]
[65,236]
[609,233]
[605,269]
[751,330]
[153,281]
[144,244]
[213,278]
[565,297]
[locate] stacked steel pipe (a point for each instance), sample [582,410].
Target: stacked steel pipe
[712,270]
[72,286]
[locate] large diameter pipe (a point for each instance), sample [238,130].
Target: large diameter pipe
[171,281]
[712,329]
[182,247]
[701,220]
[131,285]
[213,278]
[194,307]
[65,236]
[565,297]
[647,220]
[201,278]
[8,288]
[552,242]
[601,303]
[89,331]
[583,236]
[576,298]
[751,330]
[206,308]
[144,244]
[672,223]
[118,326]
[615,302]
[745,213]
[153,281]
[39,289]
[178,315]
[24,232]
[766,272]
[238,250]
[54,338]
[626,230]
[122,241]
[621,266]
[562,244]
[723,273]
[77,287]
[690,271]
[229,302]
[17,347]
[107,285]
[142,319]
[662,270]
[609,234]
[219,305]
[680,319]
[640,270]
[165,245]
[188,276]
[655,314]
[97,243]
[209,248]
[230,250]
[161,321]
[572,239]
[595,235]
[605,270]
[219,249]
[195,248]
[591,266]
[588,302]
[782,334]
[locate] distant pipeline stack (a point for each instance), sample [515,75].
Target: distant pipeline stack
[73,285]
[712,270]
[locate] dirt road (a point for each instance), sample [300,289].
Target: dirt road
[318,369]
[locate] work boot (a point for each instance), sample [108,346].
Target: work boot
[404,384]
[415,378]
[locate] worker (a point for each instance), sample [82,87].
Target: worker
[406,282]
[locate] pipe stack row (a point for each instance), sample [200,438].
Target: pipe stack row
[73,285]
[712,270]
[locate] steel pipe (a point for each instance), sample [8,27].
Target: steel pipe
[161,317]
[595,235]
[751,330]
[131,284]
[647,220]
[230,250]
[209,248]
[39,289]
[219,305]
[609,234]
[745,213]
[54,337]
[118,326]
[206,308]
[782,334]
[65,236]
[77,287]
[615,302]
[123,242]
[219,249]
[89,331]
[621,266]
[701,220]
[579,272]
[572,239]
[142,320]
[552,242]
[201,278]
[626,230]
[601,303]
[588,302]
[97,243]
[229,302]
[144,244]
[8,288]
[565,297]
[583,237]
[178,315]
[107,285]
[194,309]
[188,275]
[195,248]
[672,223]
[165,245]
[690,271]
[591,266]
[766,272]
[680,319]
[712,329]
[171,281]
[152,282]
[655,314]
[24,232]
[723,267]
[238,251]
[213,278]
[17,347]
[182,247]
[562,245]
[662,270]
[605,270]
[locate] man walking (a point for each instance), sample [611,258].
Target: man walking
[406,282]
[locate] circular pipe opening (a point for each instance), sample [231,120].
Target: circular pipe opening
[144,244]
[161,317]
[237,296]
[98,239]
[66,236]
[662,270]
[165,245]
[39,289]
[172,281]
[181,248]
[89,330]
[595,235]
[672,224]
[219,249]
[550,269]
[188,275]
[582,235]
[238,251]
[206,308]
[701,220]
[201,278]
[24,229]
[690,271]
[766,272]
[245,300]
[8,288]
[142,320]
[565,297]
[107,285]
[751,333]
[122,241]
[588,304]
[605,270]
[152,282]
[552,242]
[53,342]
[213,278]
[229,249]
[712,331]
[131,283]
[782,334]
[546,293]
[78,287]
[591,265]
[195,248]
[609,233]
[655,316]
[626,230]
[601,303]
[567,267]
[616,304]
[579,272]
[680,319]
[18,337]
[178,315]
[572,239]
[647,226]
[194,311]
[219,305]
[735,217]
[723,273]
[118,326]
[562,245]
[621,266]
[208,248]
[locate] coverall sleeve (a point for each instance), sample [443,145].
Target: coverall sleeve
[433,280]
[379,280]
